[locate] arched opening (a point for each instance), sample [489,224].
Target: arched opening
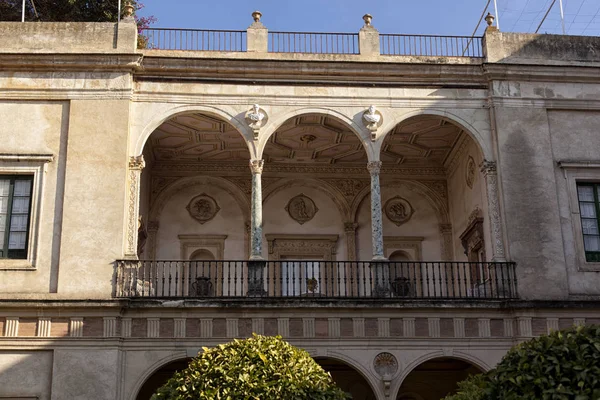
[160,377]
[202,254]
[435,379]
[434,201]
[347,378]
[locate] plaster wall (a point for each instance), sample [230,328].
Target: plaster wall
[175,220]
[94,200]
[37,127]
[463,200]
[327,220]
[528,182]
[424,222]
[26,374]
[574,137]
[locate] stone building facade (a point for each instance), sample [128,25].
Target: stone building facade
[404,208]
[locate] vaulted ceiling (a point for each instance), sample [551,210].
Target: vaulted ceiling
[307,139]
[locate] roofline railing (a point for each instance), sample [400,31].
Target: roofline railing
[368,42]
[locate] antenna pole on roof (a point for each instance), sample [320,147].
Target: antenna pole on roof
[23,12]
[543,19]
[119,12]
[497,15]
[562,17]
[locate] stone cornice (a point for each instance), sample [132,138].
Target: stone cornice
[543,73]
[329,72]
[70,62]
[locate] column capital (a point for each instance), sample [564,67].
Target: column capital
[350,226]
[374,167]
[488,167]
[445,228]
[256,166]
[137,162]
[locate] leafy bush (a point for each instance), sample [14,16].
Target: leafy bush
[259,368]
[564,365]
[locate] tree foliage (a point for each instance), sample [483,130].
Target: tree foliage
[564,365]
[258,368]
[64,10]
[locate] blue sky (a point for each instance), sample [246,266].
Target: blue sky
[443,17]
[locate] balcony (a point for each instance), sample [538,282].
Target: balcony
[313,280]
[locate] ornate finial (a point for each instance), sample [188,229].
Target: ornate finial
[367,18]
[489,18]
[256,15]
[128,10]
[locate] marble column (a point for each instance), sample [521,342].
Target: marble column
[491,179]
[136,165]
[256,166]
[256,265]
[374,168]
[380,270]
[350,229]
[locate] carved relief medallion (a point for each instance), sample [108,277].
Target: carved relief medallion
[301,208]
[398,210]
[470,173]
[385,364]
[203,208]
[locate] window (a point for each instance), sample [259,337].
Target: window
[15,213]
[589,207]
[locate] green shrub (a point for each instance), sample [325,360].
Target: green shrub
[259,368]
[472,388]
[564,365]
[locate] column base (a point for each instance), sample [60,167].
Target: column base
[256,281]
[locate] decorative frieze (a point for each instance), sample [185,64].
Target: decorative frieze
[206,328]
[258,326]
[232,328]
[136,165]
[525,328]
[383,327]
[179,328]
[126,327]
[459,327]
[508,327]
[333,327]
[110,326]
[578,321]
[308,327]
[358,325]
[408,327]
[283,327]
[552,325]
[11,327]
[484,326]
[434,327]
[76,327]
[153,327]
[44,326]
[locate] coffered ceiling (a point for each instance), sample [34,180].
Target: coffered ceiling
[307,139]
[420,141]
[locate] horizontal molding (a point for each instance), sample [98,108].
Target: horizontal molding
[40,158]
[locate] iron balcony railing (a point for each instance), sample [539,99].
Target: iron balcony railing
[313,43]
[315,279]
[193,39]
[430,45]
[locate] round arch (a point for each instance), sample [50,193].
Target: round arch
[277,121]
[316,184]
[483,142]
[459,356]
[438,204]
[153,369]
[183,183]
[174,111]
[352,365]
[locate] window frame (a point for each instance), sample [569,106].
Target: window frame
[5,246]
[590,256]
[579,172]
[33,165]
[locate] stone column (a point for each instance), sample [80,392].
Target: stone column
[350,229]
[351,285]
[256,265]
[380,272]
[501,274]
[374,168]
[136,165]
[491,179]
[256,166]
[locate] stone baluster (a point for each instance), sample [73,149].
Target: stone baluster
[136,165]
